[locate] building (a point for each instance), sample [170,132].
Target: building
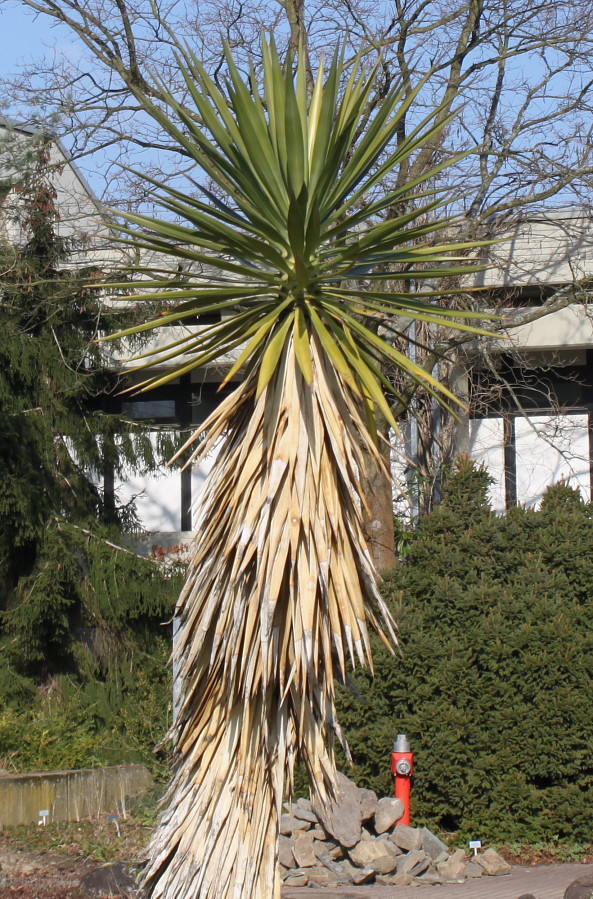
[531,414]
[530,395]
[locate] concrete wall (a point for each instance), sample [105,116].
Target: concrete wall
[552,247]
[70,795]
[157,496]
[570,328]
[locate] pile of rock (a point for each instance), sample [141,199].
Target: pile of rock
[357,840]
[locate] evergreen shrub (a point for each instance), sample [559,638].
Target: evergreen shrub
[85,677]
[84,674]
[494,684]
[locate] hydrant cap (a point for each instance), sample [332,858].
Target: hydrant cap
[401,744]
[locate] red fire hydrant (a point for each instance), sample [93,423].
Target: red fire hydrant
[402,768]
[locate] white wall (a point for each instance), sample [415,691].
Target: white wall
[549,449]
[157,496]
[552,247]
[486,446]
[79,210]
[198,477]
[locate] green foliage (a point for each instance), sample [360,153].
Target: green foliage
[38,739]
[83,655]
[84,674]
[57,440]
[494,686]
[299,226]
[76,724]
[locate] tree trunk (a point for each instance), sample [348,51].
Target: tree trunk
[378,514]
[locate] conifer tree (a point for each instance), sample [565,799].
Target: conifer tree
[71,602]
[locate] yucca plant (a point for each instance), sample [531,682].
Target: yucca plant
[281,589]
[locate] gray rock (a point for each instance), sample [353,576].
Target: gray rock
[430,876]
[111,879]
[492,863]
[328,862]
[398,880]
[357,875]
[303,803]
[319,833]
[295,879]
[331,849]
[385,864]
[453,868]
[323,877]
[420,867]
[364,854]
[526,896]
[473,870]
[342,818]
[368,803]
[406,837]
[288,824]
[389,845]
[581,888]
[435,848]
[414,862]
[285,824]
[388,811]
[304,814]
[303,851]
[285,853]
[341,870]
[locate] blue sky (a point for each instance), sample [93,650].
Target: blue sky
[23,36]
[26,38]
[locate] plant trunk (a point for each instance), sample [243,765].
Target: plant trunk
[377,487]
[219,835]
[278,596]
[377,493]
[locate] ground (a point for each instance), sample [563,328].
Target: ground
[39,876]
[49,862]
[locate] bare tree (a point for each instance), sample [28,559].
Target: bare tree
[518,76]
[521,74]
